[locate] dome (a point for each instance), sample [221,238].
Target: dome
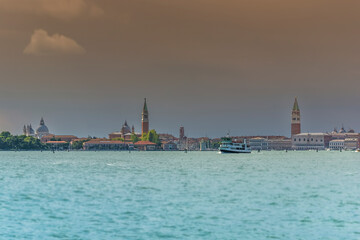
[342,130]
[42,128]
[125,128]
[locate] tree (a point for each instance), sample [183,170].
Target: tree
[134,138]
[151,136]
[10,142]
[118,139]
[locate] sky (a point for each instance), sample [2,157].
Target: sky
[211,66]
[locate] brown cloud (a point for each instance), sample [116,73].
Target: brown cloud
[64,9]
[42,44]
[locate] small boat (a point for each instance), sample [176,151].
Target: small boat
[229,146]
[357,150]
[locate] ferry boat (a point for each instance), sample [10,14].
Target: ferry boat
[229,146]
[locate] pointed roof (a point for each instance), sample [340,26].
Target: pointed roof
[42,122]
[296,105]
[145,106]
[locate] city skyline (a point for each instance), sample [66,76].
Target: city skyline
[294,126]
[208,66]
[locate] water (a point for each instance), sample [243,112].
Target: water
[173,195]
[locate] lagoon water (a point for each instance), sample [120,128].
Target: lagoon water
[173,195]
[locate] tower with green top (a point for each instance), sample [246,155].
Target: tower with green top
[295,119]
[145,119]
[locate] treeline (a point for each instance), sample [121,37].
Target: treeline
[22,142]
[151,136]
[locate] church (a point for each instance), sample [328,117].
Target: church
[126,133]
[40,132]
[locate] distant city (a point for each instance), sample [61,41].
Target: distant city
[127,138]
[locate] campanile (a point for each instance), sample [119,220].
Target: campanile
[295,119]
[145,119]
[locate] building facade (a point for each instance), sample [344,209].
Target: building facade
[351,143]
[336,144]
[258,143]
[310,141]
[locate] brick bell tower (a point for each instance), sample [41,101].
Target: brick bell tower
[144,119]
[295,119]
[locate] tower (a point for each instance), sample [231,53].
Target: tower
[144,119]
[295,119]
[182,133]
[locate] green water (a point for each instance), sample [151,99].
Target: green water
[173,195]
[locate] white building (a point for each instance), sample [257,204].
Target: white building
[310,141]
[351,143]
[258,143]
[279,144]
[336,144]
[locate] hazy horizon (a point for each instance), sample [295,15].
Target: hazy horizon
[210,66]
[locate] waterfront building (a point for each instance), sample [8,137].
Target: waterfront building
[311,141]
[105,145]
[336,144]
[203,145]
[165,137]
[42,130]
[351,143]
[295,119]
[145,146]
[343,135]
[279,144]
[258,143]
[144,119]
[58,145]
[169,146]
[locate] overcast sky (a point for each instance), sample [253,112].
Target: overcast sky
[209,65]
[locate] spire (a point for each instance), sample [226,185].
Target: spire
[125,123]
[296,105]
[42,121]
[145,106]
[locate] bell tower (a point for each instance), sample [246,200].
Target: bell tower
[144,119]
[295,119]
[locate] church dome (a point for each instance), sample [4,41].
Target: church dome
[125,128]
[42,128]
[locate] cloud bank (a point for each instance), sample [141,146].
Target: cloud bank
[42,44]
[61,9]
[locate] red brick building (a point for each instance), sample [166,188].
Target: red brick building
[295,119]
[144,119]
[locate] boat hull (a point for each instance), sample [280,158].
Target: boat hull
[234,151]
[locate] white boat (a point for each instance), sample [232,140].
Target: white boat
[229,146]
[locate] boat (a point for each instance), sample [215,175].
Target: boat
[230,146]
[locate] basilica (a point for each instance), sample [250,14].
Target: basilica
[40,132]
